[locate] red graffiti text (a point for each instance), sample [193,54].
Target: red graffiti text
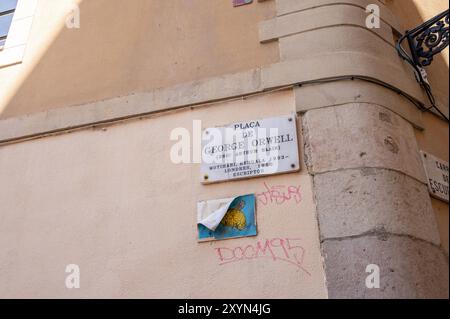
[287,250]
[279,194]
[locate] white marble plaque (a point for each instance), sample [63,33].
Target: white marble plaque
[249,149]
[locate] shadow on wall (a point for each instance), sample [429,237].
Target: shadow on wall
[131,46]
[123,47]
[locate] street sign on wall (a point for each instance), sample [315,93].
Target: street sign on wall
[249,149]
[437,175]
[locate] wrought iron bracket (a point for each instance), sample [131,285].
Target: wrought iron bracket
[429,39]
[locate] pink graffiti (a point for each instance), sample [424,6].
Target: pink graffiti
[279,194]
[277,249]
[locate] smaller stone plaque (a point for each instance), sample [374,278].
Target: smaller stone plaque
[437,175]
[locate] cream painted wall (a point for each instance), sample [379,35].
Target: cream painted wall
[130,46]
[111,201]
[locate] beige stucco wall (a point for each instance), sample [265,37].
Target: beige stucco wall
[130,46]
[111,201]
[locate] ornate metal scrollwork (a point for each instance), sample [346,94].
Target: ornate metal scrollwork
[429,39]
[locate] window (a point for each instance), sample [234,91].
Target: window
[7,9]
[16,20]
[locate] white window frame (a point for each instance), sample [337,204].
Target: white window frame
[13,51]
